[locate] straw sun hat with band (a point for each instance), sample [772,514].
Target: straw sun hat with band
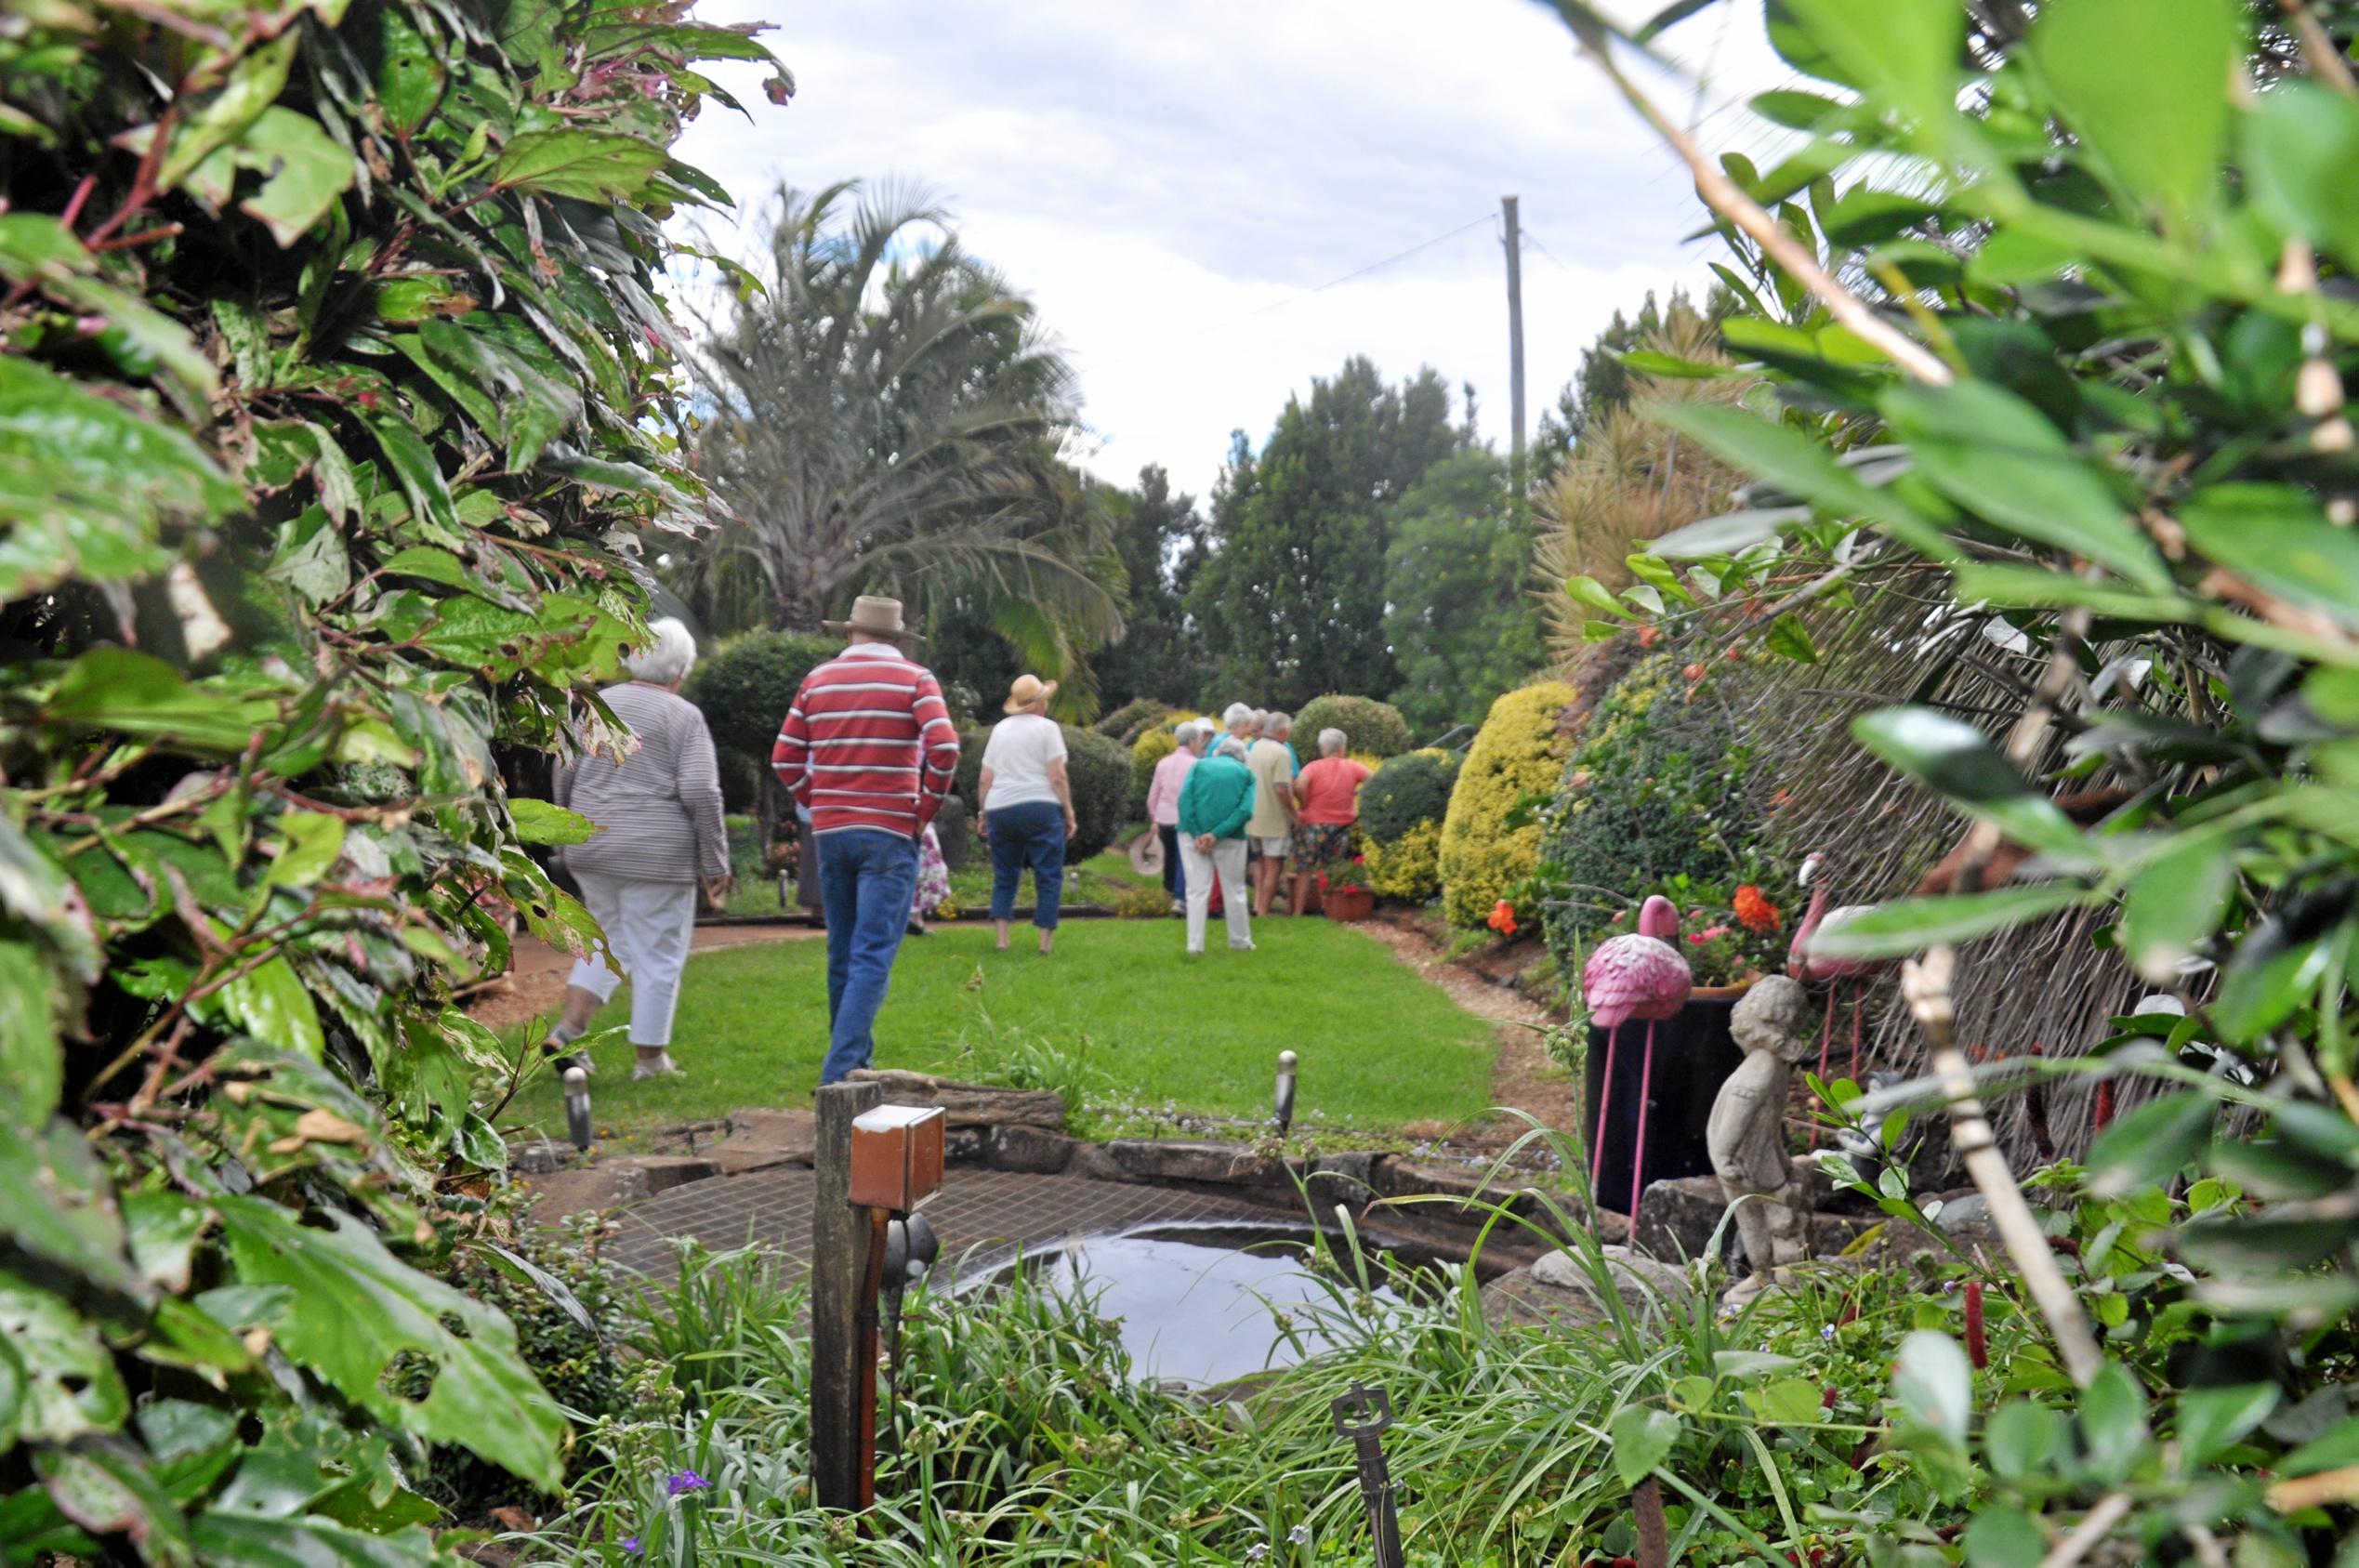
[1029,693]
[877,617]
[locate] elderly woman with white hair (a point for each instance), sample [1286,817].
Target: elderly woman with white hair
[659,812]
[1163,805]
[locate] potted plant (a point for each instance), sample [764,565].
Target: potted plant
[1343,889]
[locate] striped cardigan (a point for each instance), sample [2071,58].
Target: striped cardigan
[868,744]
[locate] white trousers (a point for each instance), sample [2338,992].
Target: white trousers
[1228,859]
[648,926]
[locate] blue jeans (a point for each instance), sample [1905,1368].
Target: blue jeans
[1033,834]
[867,880]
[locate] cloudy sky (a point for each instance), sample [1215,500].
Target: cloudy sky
[1174,184]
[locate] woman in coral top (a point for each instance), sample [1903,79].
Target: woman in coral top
[1328,802]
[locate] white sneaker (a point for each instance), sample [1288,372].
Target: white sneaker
[1241,947]
[662,1067]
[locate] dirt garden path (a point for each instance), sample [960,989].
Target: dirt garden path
[1522,1076]
[536,982]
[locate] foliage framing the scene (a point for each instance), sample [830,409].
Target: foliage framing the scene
[2090,409]
[334,395]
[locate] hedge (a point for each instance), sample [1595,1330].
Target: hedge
[747,684]
[1517,757]
[336,407]
[1375,729]
[1406,790]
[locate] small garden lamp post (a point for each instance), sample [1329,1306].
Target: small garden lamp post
[577,1110]
[1282,1112]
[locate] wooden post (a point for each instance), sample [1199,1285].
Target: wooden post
[840,1378]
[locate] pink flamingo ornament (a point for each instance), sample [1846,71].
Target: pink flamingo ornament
[1634,975]
[1810,967]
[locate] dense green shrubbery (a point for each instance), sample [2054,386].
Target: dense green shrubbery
[1401,807]
[745,686]
[1375,729]
[334,388]
[1133,718]
[1654,799]
[1491,836]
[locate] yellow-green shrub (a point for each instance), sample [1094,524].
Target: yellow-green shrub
[1518,754]
[1410,867]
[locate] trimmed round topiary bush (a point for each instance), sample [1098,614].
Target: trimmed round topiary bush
[1101,772]
[746,685]
[1373,727]
[1127,722]
[1410,788]
[1518,755]
[1401,811]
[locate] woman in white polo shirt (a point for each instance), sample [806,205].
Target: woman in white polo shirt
[1025,807]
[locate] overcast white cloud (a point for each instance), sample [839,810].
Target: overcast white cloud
[1168,182]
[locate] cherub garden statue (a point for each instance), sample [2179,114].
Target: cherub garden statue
[1747,1135]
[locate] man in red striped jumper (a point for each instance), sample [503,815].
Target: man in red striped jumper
[869,750]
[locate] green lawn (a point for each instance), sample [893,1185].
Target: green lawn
[1149,1024]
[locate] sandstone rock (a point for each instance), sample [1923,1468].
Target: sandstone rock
[1676,1219]
[1397,1178]
[971,1105]
[664,1172]
[762,1140]
[1348,1178]
[1028,1148]
[1516,1300]
[539,1156]
[1177,1159]
[597,1188]
[1641,1282]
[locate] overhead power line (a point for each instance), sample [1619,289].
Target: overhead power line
[1376,266]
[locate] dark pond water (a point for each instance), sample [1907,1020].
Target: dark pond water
[1199,1313]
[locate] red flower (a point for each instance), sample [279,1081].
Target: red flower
[1977,1346]
[1694,673]
[1754,912]
[1503,918]
[1648,636]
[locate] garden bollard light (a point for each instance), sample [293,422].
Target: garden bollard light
[1284,1114]
[896,1163]
[1362,1414]
[578,1112]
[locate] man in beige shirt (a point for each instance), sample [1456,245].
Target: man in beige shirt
[1272,825]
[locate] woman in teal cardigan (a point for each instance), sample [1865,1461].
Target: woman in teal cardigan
[1214,805]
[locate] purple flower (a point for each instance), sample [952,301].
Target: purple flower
[685,1481]
[630,1544]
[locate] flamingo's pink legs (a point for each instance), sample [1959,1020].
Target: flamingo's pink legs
[1859,1001]
[1604,1102]
[1638,1159]
[1825,1045]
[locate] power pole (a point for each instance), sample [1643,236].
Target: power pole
[1515,336]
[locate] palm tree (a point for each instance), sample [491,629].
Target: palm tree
[885,416]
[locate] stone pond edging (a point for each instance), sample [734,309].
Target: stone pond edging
[1021,1130]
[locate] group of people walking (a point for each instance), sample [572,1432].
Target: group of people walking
[1234,803]
[868,754]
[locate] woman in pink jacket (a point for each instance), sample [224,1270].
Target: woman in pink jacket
[1163,806]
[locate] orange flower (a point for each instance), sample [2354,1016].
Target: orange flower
[1648,636]
[1503,918]
[1754,912]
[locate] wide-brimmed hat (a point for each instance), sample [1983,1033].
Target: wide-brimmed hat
[877,617]
[1029,691]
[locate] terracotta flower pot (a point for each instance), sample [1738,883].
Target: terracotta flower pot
[1350,904]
